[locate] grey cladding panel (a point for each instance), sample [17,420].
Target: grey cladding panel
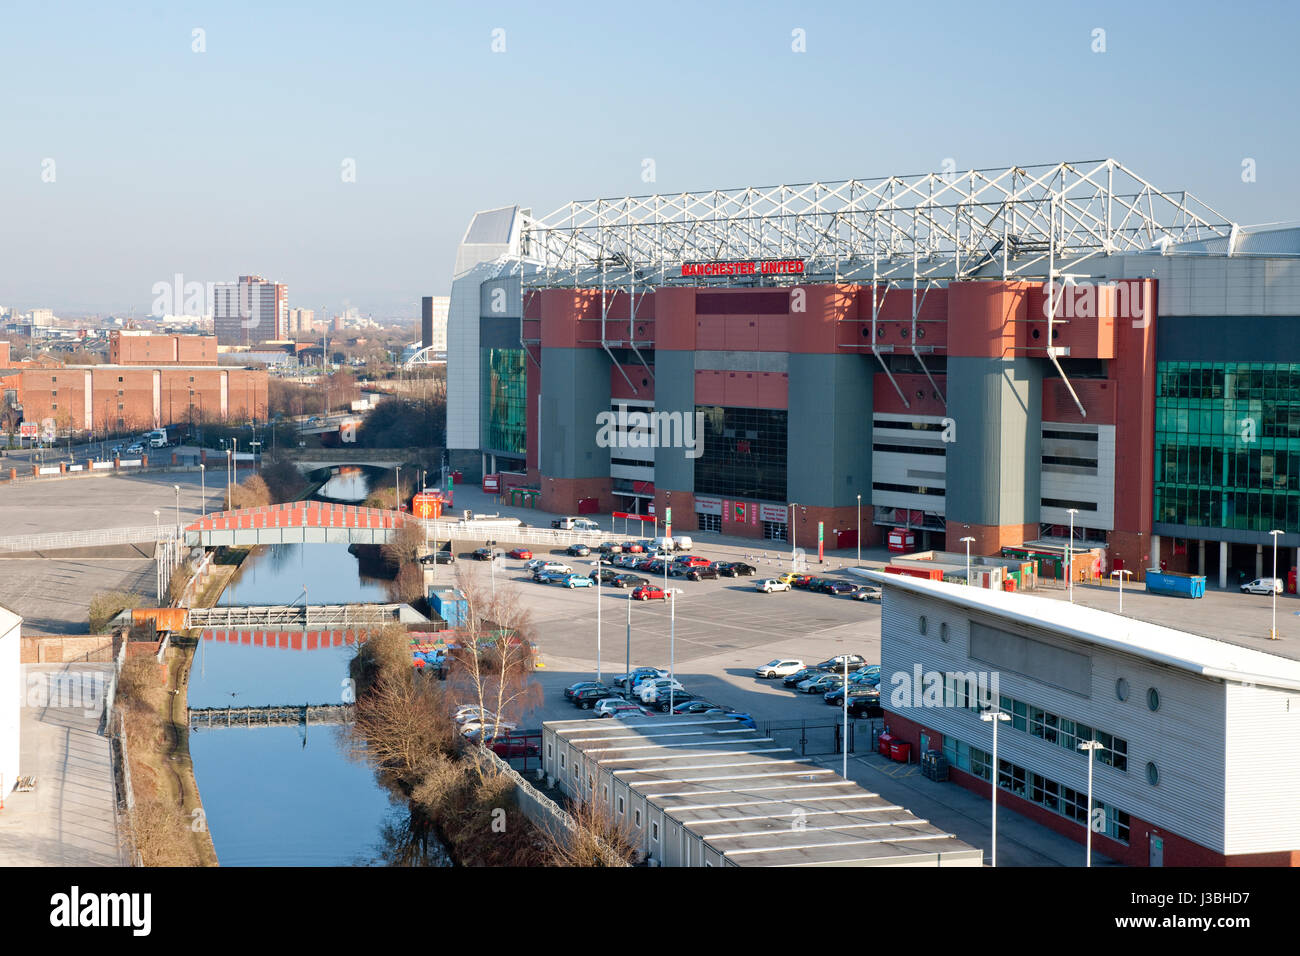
[1057,666]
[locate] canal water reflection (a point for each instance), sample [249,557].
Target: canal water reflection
[293,796]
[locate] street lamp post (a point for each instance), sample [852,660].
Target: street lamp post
[1092,747]
[203,488]
[228,492]
[1121,573]
[997,717]
[672,648]
[157,554]
[844,741]
[859,542]
[598,680]
[1272,586]
[967,540]
[178,509]
[1069,546]
[793,535]
[397,503]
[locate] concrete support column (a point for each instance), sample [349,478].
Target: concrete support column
[1259,560]
[1223,565]
[1200,557]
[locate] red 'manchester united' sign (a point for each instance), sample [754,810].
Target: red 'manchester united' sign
[765,267]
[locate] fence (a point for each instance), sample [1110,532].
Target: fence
[140,534]
[809,738]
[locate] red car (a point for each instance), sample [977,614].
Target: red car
[645,565]
[647,592]
[694,561]
[633,548]
[513,747]
[522,553]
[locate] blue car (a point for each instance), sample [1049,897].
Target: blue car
[745,719]
[576,581]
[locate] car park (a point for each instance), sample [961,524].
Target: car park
[550,577]
[629,581]
[802,581]
[519,553]
[557,567]
[574,688]
[650,592]
[768,585]
[1263,586]
[701,574]
[633,547]
[661,703]
[604,575]
[866,592]
[692,561]
[779,667]
[585,698]
[744,718]
[734,569]
[694,706]
[536,564]
[572,581]
[610,547]
[578,550]
[866,675]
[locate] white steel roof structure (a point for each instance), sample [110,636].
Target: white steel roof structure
[1189,652]
[1015,222]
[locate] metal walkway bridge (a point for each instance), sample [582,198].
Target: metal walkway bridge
[271,716]
[299,617]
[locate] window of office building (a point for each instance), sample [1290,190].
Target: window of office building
[505,401]
[1227,443]
[744,453]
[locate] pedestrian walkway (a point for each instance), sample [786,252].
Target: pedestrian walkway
[70,818]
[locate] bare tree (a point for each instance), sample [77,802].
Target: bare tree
[598,837]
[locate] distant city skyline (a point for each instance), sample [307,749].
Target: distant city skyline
[373,135]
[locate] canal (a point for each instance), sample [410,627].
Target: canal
[294,796]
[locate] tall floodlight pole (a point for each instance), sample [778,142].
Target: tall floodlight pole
[1069,547]
[178,508]
[844,743]
[793,534]
[859,539]
[1272,586]
[203,489]
[1092,747]
[997,717]
[968,539]
[672,650]
[598,680]
[1121,573]
[627,674]
[157,553]
[229,499]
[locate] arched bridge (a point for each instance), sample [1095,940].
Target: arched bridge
[298,522]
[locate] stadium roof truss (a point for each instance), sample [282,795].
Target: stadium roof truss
[1017,222]
[909,233]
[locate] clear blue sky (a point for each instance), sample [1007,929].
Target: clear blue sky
[226,162]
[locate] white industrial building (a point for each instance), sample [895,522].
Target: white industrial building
[710,792]
[11,699]
[1200,758]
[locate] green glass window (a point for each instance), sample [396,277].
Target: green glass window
[504,384]
[1227,441]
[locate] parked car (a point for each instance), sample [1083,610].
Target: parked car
[734,714]
[683,542]
[779,667]
[868,706]
[733,569]
[855,689]
[802,581]
[522,554]
[572,581]
[694,706]
[578,550]
[650,592]
[1263,586]
[605,575]
[793,680]
[692,561]
[618,707]
[650,691]
[438,557]
[701,574]
[629,581]
[537,563]
[574,688]
[585,698]
[135,448]
[819,685]
[768,585]
[485,554]
[629,681]
[789,577]
[467,712]
[506,746]
[866,592]
[836,664]
[557,567]
[475,728]
[633,547]
[610,547]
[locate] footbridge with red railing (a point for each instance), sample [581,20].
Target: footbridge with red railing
[298,522]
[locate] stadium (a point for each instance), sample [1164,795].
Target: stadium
[997,354]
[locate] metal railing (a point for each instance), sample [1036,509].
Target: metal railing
[141,534]
[293,615]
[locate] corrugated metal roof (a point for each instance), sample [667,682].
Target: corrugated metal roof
[752,801]
[1155,642]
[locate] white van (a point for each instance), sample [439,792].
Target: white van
[683,543]
[663,544]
